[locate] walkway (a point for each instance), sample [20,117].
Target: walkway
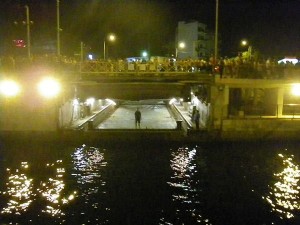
[154,116]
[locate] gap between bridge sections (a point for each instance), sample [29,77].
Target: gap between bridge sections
[156,115]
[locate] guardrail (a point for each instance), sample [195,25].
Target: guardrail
[249,71]
[115,66]
[182,122]
[92,121]
[237,71]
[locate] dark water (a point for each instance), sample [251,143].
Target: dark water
[219,184]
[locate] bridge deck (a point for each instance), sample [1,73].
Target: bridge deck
[154,116]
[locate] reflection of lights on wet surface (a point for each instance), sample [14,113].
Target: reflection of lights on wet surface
[19,189]
[184,168]
[21,192]
[52,191]
[284,195]
[87,162]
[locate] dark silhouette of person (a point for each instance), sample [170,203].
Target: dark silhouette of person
[138,117]
[197,119]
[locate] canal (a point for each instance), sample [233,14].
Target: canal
[150,183]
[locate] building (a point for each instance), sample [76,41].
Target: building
[197,39]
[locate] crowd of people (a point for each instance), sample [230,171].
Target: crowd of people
[237,67]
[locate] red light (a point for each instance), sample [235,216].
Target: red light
[19,43]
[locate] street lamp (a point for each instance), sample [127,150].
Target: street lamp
[181,45]
[28,31]
[49,87]
[9,88]
[245,43]
[58,30]
[296,89]
[111,38]
[216,31]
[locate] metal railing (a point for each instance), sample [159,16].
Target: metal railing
[129,67]
[243,71]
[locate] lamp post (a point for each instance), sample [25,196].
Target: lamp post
[58,28]
[249,51]
[181,45]
[110,37]
[28,31]
[216,31]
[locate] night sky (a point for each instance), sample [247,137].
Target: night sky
[271,26]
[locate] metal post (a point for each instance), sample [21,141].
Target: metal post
[216,31]
[104,49]
[58,28]
[28,31]
[81,51]
[81,56]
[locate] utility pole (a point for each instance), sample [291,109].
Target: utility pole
[81,51]
[216,31]
[58,28]
[28,31]
[104,49]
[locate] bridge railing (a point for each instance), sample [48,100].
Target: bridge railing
[130,67]
[238,71]
[245,70]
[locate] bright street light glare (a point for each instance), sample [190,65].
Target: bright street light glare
[144,54]
[296,89]
[244,42]
[9,88]
[111,37]
[49,88]
[181,45]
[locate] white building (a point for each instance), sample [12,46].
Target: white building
[198,41]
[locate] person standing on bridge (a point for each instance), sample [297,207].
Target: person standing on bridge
[138,117]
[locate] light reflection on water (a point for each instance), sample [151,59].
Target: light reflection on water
[53,191]
[21,191]
[87,165]
[150,185]
[284,193]
[186,189]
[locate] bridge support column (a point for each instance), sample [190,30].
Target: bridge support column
[280,94]
[226,102]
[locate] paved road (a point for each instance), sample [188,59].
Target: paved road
[154,116]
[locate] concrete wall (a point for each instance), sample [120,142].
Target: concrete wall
[260,129]
[70,112]
[99,117]
[204,110]
[28,115]
[219,101]
[130,91]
